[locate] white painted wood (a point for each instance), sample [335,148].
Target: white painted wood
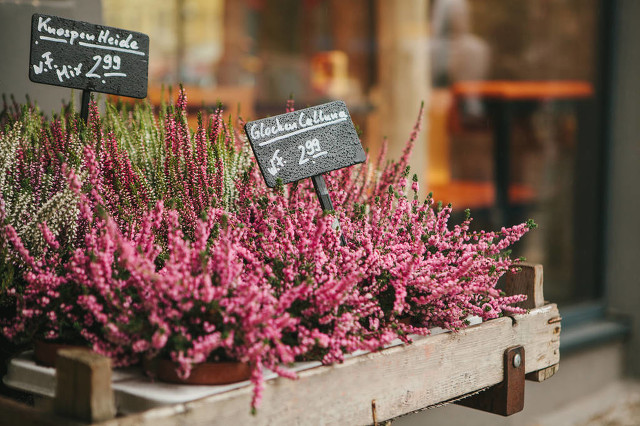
[400,379]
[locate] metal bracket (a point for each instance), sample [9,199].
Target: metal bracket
[505,398]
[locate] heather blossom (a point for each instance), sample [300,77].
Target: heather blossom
[173,247]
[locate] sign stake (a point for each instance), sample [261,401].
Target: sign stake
[84,111]
[322,193]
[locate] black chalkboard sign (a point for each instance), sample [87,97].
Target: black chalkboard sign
[90,57]
[305,143]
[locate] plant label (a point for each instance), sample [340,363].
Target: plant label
[305,143]
[90,57]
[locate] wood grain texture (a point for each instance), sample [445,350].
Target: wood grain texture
[544,374]
[506,398]
[527,281]
[401,379]
[83,388]
[14,413]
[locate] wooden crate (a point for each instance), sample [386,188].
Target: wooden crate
[371,387]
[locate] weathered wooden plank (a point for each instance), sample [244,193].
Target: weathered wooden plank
[83,388]
[400,379]
[544,374]
[15,413]
[505,398]
[527,281]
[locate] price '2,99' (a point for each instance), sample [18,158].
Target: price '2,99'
[311,149]
[108,62]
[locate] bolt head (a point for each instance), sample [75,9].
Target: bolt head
[517,360]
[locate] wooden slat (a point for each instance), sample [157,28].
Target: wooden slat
[544,374]
[527,281]
[14,413]
[506,398]
[401,379]
[83,388]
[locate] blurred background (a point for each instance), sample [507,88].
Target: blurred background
[531,111]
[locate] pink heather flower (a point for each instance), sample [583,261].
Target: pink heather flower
[159,339]
[187,255]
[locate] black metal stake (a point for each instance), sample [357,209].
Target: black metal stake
[84,111]
[325,201]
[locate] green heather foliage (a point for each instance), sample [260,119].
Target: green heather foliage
[157,143]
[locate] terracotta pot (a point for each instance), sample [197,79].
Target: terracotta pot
[405,321]
[208,373]
[46,353]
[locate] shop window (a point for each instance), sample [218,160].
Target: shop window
[491,64]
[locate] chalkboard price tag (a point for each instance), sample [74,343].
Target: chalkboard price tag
[305,143]
[90,57]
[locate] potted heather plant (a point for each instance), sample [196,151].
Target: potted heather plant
[37,210]
[169,249]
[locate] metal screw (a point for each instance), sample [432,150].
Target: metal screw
[517,359]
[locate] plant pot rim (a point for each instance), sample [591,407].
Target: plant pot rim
[207,373]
